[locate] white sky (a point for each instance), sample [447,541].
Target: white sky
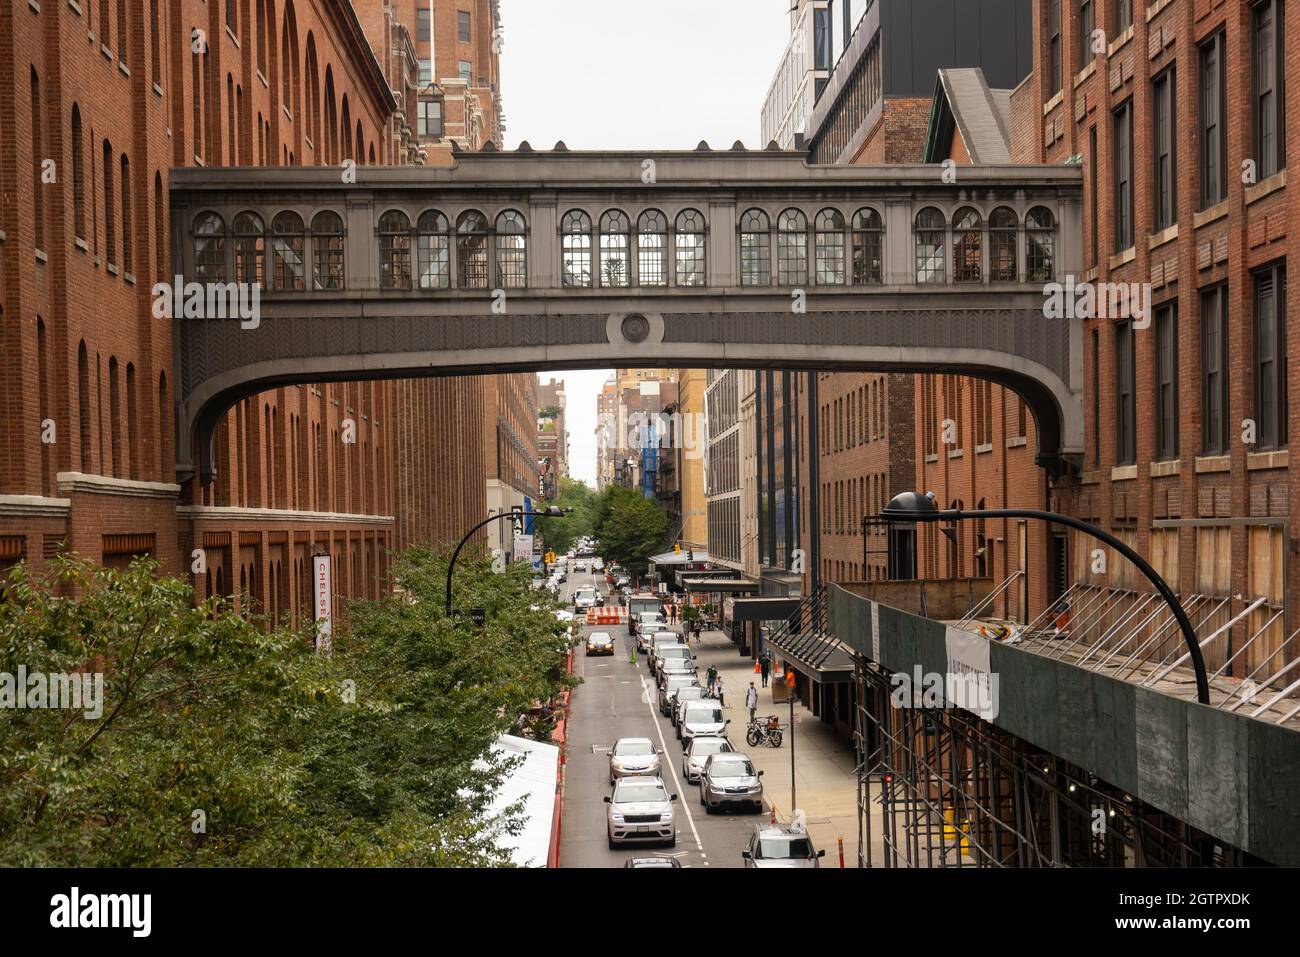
[634,74]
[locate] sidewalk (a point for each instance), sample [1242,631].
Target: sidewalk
[825,786]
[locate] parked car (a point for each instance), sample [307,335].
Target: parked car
[644,639]
[671,652]
[653,862]
[777,845]
[600,643]
[670,687]
[584,597]
[729,780]
[661,640]
[677,702]
[701,718]
[651,621]
[698,751]
[632,756]
[640,810]
[674,666]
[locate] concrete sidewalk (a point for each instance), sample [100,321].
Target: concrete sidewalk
[825,786]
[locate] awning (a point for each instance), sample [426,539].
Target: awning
[819,655]
[727,586]
[534,782]
[697,555]
[764,609]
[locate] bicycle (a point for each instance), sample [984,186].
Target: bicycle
[764,731]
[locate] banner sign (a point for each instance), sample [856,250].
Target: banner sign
[523,548]
[323,588]
[970,683]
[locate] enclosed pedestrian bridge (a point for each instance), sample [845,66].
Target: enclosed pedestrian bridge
[559,260]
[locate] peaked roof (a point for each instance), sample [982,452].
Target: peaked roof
[965,106]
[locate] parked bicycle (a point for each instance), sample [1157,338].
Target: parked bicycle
[764,731]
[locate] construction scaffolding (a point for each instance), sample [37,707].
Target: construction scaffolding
[941,787]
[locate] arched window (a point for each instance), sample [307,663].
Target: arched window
[433,246]
[929,246]
[689,246]
[394,250]
[615,241]
[1003,260]
[755,248]
[128,229]
[209,235]
[791,248]
[1040,252]
[471,250]
[652,248]
[575,248]
[829,241]
[327,250]
[512,250]
[250,249]
[287,270]
[967,245]
[868,247]
[78,175]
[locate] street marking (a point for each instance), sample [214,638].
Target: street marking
[681,793]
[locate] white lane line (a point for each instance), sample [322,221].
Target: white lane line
[681,794]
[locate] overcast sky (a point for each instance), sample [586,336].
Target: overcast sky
[634,74]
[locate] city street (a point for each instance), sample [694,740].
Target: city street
[617,699]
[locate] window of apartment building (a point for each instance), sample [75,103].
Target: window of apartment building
[1054,46]
[422,25]
[930,264]
[462,26]
[1096,398]
[1166,370]
[465,70]
[1123,15]
[1269,69]
[1270,357]
[1123,176]
[1087,23]
[1214,365]
[426,72]
[1094,243]
[431,118]
[1214,123]
[1164,150]
[755,249]
[1125,388]
[821,39]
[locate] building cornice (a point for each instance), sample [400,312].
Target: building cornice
[84,483]
[233,513]
[34,506]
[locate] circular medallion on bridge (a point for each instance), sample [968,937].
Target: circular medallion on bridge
[635,327]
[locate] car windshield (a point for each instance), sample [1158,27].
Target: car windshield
[678,682]
[626,749]
[650,617]
[690,693]
[671,652]
[702,747]
[799,848]
[637,791]
[735,768]
[705,712]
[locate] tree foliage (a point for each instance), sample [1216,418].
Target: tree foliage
[223,742]
[629,528]
[559,534]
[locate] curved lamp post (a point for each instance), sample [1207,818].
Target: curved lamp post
[914,507]
[553,512]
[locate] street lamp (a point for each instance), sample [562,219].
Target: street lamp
[914,507]
[553,511]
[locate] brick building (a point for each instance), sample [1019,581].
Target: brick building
[509,450]
[102,99]
[1176,111]
[552,437]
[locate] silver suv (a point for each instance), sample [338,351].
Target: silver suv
[729,780]
[641,810]
[778,845]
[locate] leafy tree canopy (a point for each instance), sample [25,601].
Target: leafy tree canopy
[629,528]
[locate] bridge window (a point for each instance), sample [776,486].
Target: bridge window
[829,238]
[868,247]
[755,249]
[1004,261]
[250,249]
[930,229]
[968,245]
[394,250]
[327,250]
[791,248]
[1040,233]
[209,248]
[433,246]
[575,231]
[471,250]
[287,251]
[690,248]
[512,250]
[615,241]
[652,248]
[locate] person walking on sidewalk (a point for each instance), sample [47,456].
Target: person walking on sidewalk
[710,677]
[765,665]
[751,701]
[717,691]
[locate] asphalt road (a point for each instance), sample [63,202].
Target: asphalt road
[618,699]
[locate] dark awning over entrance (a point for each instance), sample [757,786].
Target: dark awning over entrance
[820,656]
[764,609]
[728,586]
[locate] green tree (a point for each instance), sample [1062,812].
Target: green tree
[629,528]
[560,533]
[223,742]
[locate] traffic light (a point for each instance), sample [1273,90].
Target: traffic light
[677,549]
[690,555]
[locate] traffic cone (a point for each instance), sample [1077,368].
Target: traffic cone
[773,812]
[757,669]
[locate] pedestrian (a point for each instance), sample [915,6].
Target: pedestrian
[751,701]
[717,691]
[765,665]
[710,677]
